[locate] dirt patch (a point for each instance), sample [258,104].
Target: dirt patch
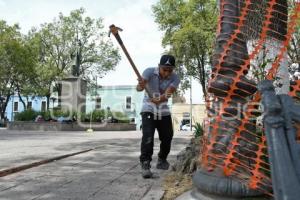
[176,184]
[179,180]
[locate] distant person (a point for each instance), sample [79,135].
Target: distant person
[39,118]
[161,82]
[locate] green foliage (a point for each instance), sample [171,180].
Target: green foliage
[294,45]
[120,117]
[31,64]
[94,116]
[189,29]
[75,37]
[27,115]
[259,73]
[104,115]
[198,130]
[30,115]
[54,114]
[17,62]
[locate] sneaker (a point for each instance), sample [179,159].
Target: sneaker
[146,172]
[162,164]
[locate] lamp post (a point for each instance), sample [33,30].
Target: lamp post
[94,98]
[191,106]
[12,107]
[1,105]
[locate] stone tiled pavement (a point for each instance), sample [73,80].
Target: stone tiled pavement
[110,172]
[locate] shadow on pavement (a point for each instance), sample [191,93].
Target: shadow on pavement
[109,172]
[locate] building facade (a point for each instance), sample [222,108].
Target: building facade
[15,105]
[123,98]
[181,111]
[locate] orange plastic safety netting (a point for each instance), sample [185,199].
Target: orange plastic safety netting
[295,90]
[252,42]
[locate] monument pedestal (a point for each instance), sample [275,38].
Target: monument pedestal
[73,94]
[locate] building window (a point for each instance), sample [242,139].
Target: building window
[16,106]
[43,108]
[98,103]
[128,103]
[29,105]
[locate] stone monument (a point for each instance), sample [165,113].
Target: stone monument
[73,94]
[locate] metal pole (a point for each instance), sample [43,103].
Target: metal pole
[12,108]
[191,105]
[1,103]
[96,93]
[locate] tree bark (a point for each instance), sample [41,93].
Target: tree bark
[20,97]
[4,106]
[48,101]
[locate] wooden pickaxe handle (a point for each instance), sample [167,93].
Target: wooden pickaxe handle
[115,31]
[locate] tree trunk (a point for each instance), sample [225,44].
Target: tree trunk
[4,105]
[48,101]
[202,75]
[59,89]
[20,97]
[26,102]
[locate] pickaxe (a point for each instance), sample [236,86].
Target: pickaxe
[115,31]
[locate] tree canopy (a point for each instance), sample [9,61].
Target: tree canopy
[189,32]
[66,36]
[33,63]
[17,63]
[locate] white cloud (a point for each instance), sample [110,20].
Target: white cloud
[2,3]
[141,37]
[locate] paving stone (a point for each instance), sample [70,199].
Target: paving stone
[109,172]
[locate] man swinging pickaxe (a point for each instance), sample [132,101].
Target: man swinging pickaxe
[155,112]
[115,31]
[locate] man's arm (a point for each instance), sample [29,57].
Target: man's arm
[141,85]
[169,91]
[143,81]
[164,97]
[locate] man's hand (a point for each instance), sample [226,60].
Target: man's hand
[164,98]
[141,85]
[159,99]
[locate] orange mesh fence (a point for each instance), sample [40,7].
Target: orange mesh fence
[295,90]
[232,141]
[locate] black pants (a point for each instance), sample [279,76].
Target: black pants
[165,132]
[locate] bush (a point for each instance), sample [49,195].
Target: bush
[198,130]
[101,115]
[54,114]
[30,115]
[120,117]
[96,115]
[27,115]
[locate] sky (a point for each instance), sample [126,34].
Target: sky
[140,34]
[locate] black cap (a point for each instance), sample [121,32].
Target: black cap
[167,60]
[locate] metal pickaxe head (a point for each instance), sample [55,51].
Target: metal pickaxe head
[114,30]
